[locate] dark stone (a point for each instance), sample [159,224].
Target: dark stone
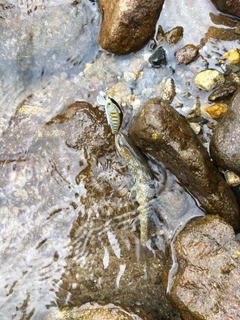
[186,54]
[128,24]
[228,6]
[207,279]
[225,146]
[160,131]
[158,58]
[174,35]
[223,91]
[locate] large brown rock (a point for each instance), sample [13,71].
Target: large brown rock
[128,24]
[225,146]
[162,132]
[228,6]
[207,281]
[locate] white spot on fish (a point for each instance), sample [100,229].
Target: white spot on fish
[114,243]
[121,271]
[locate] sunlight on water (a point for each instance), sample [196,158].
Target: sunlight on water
[69,227]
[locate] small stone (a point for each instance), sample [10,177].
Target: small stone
[160,34]
[214,111]
[129,76]
[186,54]
[174,35]
[223,91]
[158,58]
[209,79]
[195,126]
[166,89]
[232,179]
[233,56]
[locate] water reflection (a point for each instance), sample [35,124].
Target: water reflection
[68,218]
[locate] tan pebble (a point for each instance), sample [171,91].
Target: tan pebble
[233,56]
[215,110]
[232,179]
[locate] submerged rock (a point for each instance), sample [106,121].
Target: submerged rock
[166,89]
[209,79]
[207,280]
[225,146]
[95,311]
[223,91]
[164,134]
[186,54]
[158,58]
[67,218]
[127,24]
[174,35]
[228,6]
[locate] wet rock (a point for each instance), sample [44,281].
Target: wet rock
[66,212]
[209,79]
[95,311]
[161,132]
[158,58]
[160,34]
[223,91]
[214,111]
[228,6]
[237,30]
[127,24]
[233,56]
[174,35]
[207,280]
[166,89]
[186,54]
[224,146]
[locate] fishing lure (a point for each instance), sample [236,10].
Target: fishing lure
[113,112]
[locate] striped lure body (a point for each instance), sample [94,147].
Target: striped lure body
[113,112]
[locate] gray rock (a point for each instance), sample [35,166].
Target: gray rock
[225,146]
[207,279]
[128,24]
[160,131]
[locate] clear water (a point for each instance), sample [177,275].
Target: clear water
[56,214]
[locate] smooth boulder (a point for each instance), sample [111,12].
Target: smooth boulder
[159,130]
[127,24]
[225,146]
[207,280]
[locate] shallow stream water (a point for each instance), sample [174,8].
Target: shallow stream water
[67,219]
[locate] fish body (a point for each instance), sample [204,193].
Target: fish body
[113,112]
[144,184]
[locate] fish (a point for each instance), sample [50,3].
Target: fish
[113,112]
[144,180]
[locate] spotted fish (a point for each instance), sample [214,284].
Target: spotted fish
[144,184]
[113,112]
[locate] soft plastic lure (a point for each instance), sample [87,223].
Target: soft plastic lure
[113,112]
